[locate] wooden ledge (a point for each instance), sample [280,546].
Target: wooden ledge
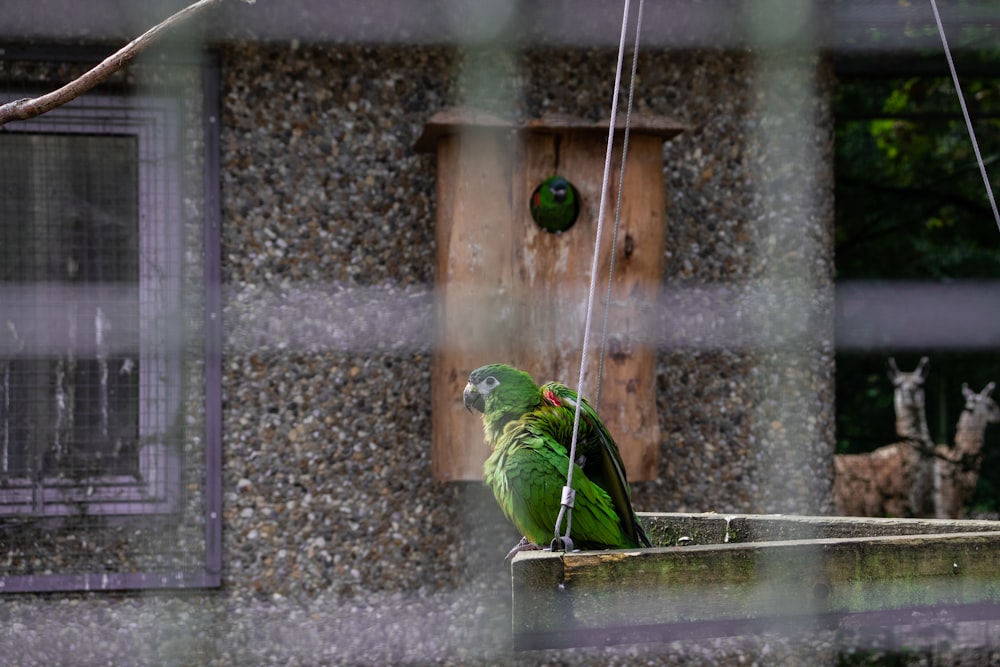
[774,572]
[449,121]
[641,124]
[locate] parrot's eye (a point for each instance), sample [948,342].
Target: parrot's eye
[491,381]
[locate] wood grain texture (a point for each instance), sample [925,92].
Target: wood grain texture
[511,292]
[474,288]
[881,568]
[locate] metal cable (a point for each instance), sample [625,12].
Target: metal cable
[566,508]
[618,208]
[965,113]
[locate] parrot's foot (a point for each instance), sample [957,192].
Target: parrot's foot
[523,545]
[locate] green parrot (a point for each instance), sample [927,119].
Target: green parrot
[555,204]
[529,430]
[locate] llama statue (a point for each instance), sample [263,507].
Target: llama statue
[896,480]
[957,468]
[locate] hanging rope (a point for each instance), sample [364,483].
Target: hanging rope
[965,113]
[618,208]
[563,542]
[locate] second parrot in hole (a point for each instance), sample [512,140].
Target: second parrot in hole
[555,204]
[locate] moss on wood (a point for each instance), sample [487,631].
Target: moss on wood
[755,568]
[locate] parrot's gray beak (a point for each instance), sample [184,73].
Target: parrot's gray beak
[473,399]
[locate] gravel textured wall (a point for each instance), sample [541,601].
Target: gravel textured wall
[329,229]
[329,256]
[338,546]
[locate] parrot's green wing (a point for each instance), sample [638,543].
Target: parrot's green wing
[529,431]
[527,472]
[597,453]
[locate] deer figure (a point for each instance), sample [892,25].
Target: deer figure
[957,468]
[897,479]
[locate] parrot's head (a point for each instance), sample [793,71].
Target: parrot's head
[499,388]
[559,187]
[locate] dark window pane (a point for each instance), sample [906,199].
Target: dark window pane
[69,229]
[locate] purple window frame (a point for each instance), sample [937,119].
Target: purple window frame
[155,124]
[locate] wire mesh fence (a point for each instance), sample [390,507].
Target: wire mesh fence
[103,447]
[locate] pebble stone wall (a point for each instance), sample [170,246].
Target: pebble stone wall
[338,546]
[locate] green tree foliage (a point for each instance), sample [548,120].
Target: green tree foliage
[911,205]
[910,199]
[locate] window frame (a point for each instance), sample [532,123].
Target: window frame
[157,489]
[156,123]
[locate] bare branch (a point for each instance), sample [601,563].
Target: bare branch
[26,108]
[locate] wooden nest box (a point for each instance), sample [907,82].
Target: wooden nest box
[509,291]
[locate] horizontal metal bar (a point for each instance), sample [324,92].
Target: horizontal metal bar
[864,622]
[109,581]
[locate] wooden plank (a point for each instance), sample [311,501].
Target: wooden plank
[553,274]
[662,127]
[671,529]
[612,596]
[450,121]
[628,399]
[511,292]
[473,279]
[857,624]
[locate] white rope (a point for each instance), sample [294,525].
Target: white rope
[618,208]
[566,508]
[965,113]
